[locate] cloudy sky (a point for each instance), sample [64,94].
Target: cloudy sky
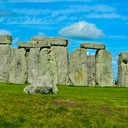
[103,21]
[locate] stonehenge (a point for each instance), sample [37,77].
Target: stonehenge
[49,55]
[122,79]
[78,67]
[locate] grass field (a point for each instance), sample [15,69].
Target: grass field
[73,107]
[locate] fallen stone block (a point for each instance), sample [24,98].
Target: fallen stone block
[42,84]
[92,46]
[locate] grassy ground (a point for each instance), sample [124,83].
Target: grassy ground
[73,107]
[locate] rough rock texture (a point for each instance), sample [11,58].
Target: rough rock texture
[104,73]
[91,70]
[33,63]
[34,44]
[45,63]
[59,42]
[5,39]
[92,46]
[42,84]
[4,62]
[55,41]
[123,70]
[78,67]
[18,66]
[60,54]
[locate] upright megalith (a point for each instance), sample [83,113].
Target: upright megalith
[78,67]
[123,70]
[6,39]
[45,63]
[4,62]
[60,54]
[47,55]
[104,73]
[32,63]
[18,66]
[91,70]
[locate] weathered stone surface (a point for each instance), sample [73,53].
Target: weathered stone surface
[18,66]
[53,41]
[91,70]
[123,70]
[104,73]
[39,39]
[33,63]
[34,44]
[4,62]
[44,62]
[92,46]
[78,67]
[60,54]
[5,39]
[42,84]
[59,42]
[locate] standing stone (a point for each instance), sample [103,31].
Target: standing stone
[60,54]
[78,67]
[123,70]
[44,62]
[91,70]
[18,66]
[4,62]
[33,63]
[104,74]
[47,64]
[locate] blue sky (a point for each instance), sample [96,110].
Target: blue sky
[104,21]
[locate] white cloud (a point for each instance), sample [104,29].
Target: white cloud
[82,30]
[4,32]
[112,15]
[92,8]
[25,20]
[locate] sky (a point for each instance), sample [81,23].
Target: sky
[102,21]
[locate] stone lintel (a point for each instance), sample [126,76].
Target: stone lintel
[54,41]
[5,39]
[34,44]
[59,42]
[92,46]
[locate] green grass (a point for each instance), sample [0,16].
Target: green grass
[73,107]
